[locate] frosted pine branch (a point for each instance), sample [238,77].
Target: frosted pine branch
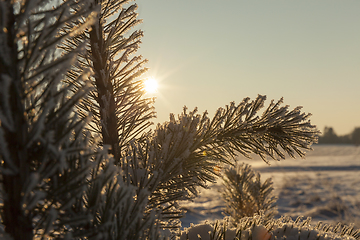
[241,129]
[40,134]
[257,228]
[245,195]
[184,153]
[119,111]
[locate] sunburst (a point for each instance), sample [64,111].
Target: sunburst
[151,85]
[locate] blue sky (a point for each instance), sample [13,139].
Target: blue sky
[207,53]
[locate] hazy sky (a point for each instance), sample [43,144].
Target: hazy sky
[207,53]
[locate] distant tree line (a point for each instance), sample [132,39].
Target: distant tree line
[330,137]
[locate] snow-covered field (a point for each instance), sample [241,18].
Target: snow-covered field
[325,186]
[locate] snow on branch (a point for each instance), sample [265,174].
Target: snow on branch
[120,111]
[257,228]
[245,195]
[241,129]
[185,153]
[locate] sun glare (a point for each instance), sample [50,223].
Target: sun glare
[151,85]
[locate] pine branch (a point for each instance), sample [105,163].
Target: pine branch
[239,129]
[259,228]
[39,133]
[185,153]
[119,111]
[245,195]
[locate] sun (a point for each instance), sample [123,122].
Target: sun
[151,85]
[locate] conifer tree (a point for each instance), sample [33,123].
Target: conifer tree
[58,181]
[181,153]
[55,182]
[40,136]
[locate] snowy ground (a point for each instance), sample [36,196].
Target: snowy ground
[325,186]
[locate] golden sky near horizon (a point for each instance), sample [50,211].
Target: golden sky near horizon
[207,53]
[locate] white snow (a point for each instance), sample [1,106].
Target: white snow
[325,186]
